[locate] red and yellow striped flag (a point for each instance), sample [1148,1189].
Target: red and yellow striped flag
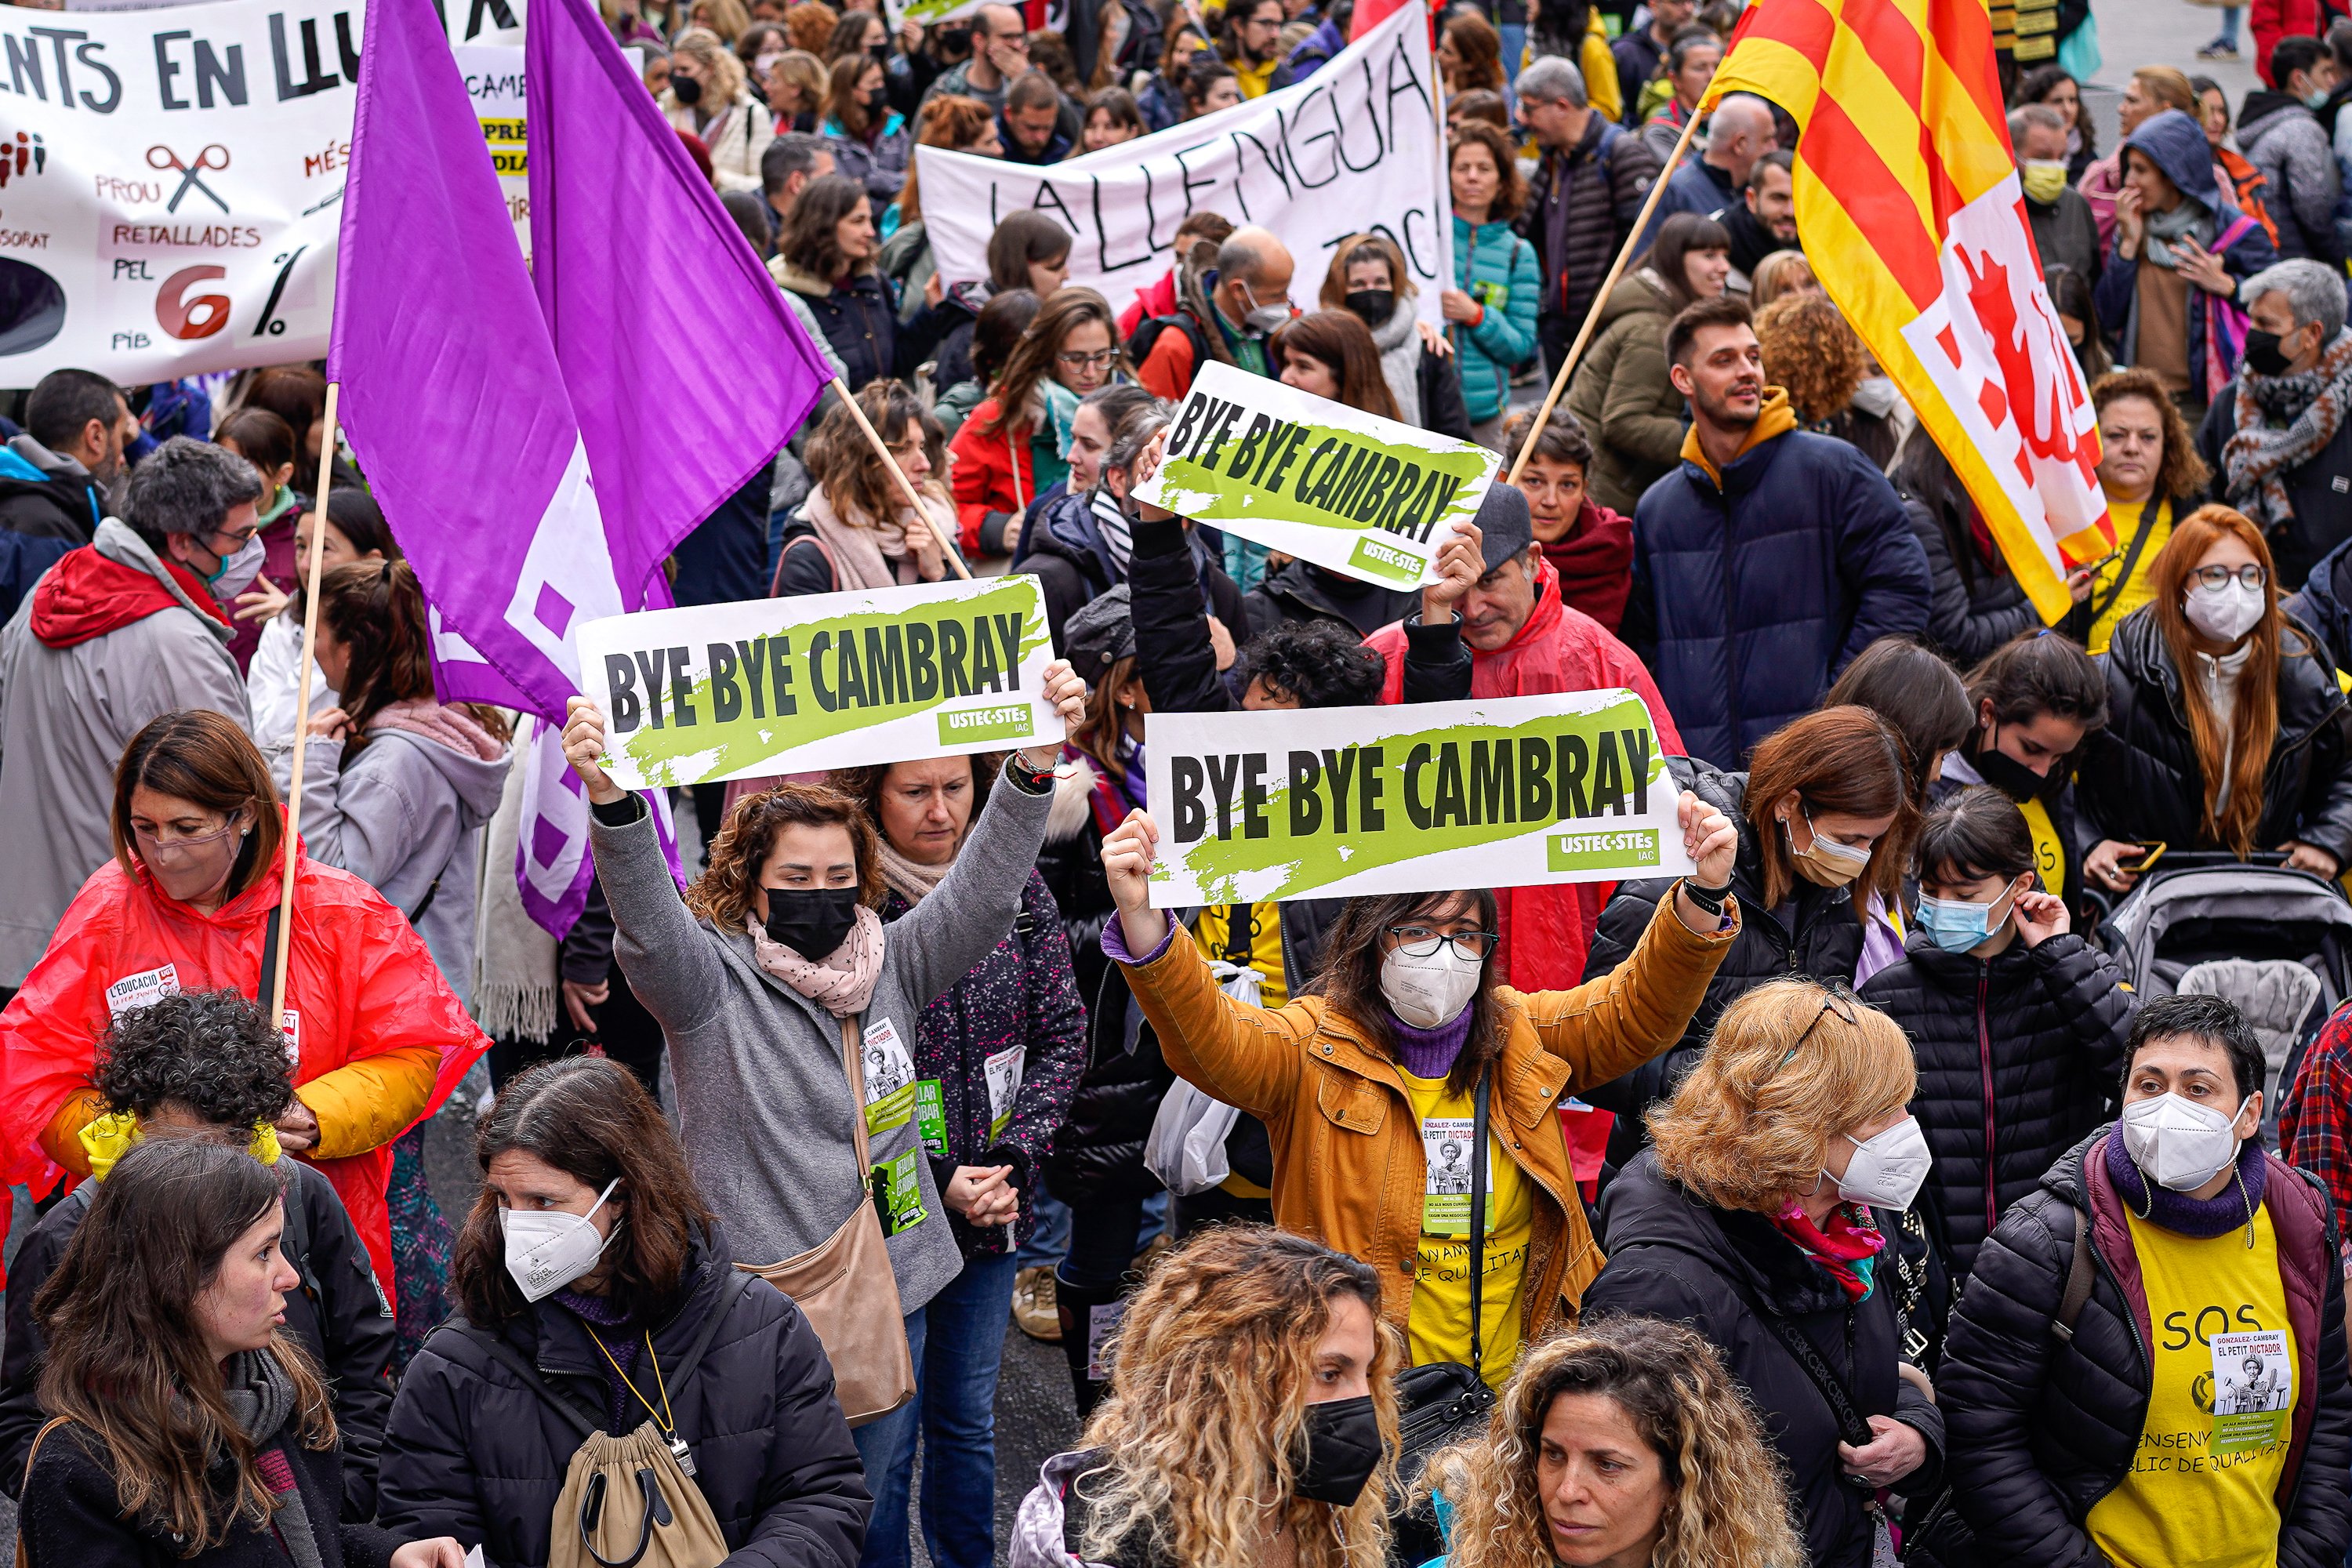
[1908,201]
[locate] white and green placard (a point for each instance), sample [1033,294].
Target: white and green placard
[1426,797]
[1316,480]
[928,12]
[826,680]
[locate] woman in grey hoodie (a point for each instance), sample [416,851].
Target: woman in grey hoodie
[395,789]
[753,974]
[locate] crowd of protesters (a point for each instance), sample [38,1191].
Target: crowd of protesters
[1860,1192]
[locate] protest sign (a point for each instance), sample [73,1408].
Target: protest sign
[1352,148]
[170,179]
[1340,802]
[1316,480]
[493,74]
[926,12]
[826,680]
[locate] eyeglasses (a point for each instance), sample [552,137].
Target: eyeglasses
[1100,359]
[153,845]
[1419,941]
[2218,577]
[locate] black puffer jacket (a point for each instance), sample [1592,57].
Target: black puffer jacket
[1672,1257]
[1303,592]
[2140,779]
[475,1453]
[2061,874]
[1814,933]
[2041,1429]
[1976,605]
[338,1314]
[2017,1054]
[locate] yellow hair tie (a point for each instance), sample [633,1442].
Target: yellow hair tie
[114,1133]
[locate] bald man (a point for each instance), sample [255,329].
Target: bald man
[1740,131]
[1229,297]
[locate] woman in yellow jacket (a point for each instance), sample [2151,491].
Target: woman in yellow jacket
[1369,1086]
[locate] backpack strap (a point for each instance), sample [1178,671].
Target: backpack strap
[497,1350]
[2080,1276]
[831,566]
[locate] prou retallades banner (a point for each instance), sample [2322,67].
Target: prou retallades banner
[828,681]
[1343,802]
[1316,480]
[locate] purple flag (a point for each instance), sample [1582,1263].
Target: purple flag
[454,402]
[690,370]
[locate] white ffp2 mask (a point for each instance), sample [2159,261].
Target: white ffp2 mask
[1429,993]
[545,1252]
[1888,1168]
[2179,1144]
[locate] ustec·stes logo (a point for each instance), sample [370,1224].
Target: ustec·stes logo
[24,155]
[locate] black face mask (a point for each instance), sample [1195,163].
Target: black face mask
[878,53]
[685,90]
[2005,773]
[2262,356]
[1343,1449]
[1373,305]
[811,921]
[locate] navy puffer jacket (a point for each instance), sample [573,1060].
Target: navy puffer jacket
[475,1453]
[2017,1056]
[1751,593]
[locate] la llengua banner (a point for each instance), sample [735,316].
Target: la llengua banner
[1341,802]
[1352,148]
[827,680]
[1318,479]
[170,179]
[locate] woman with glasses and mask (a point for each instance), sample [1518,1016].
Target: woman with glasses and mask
[2227,729]
[1408,1040]
[1016,443]
[1823,812]
[190,902]
[1767,1215]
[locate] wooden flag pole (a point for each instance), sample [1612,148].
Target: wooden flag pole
[905,485]
[302,712]
[1601,297]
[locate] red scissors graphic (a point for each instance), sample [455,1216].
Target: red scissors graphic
[214,156]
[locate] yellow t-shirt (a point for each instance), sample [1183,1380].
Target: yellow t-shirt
[2125,515]
[2049,854]
[1261,940]
[1438,1323]
[2201,1491]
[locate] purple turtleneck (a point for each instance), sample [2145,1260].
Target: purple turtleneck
[2204,1218]
[610,1327]
[1430,1053]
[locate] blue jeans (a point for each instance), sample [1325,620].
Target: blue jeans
[2230,15]
[958,1341]
[1515,43]
[1049,1239]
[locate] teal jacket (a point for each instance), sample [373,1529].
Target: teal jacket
[1497,269]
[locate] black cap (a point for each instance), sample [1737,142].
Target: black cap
[1101,634]
[1505,528]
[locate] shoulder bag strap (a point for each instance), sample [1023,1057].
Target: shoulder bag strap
[270,935]
[511,1359]
[853,1067]
[1852,1427]
[2131,557]
[1478,1220]
[2079,1280]
[24,1554]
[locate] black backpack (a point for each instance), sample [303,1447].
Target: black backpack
[1146,334]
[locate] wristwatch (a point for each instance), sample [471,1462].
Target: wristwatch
[1711,899]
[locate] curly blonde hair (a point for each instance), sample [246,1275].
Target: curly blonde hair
[1728,1502]
[1810,350]
[1208,1401]
[1790,1066]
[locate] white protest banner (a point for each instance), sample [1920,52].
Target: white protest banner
[172,179]
[826,680]
[1340,802]
[1352,148]
[493,75]
[926,12]
[1316,480]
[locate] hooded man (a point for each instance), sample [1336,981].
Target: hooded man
[2178,241]
[119,632]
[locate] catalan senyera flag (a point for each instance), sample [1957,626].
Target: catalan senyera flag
[1909,200]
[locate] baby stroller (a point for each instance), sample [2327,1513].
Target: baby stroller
[2278,942]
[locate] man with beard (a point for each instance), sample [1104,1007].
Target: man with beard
[1768,558]
[1763,220]
[54,478]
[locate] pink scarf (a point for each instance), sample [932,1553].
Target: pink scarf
[842,982]
[445,726]
[1848,1247]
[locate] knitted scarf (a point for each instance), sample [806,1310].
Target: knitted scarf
[514,956]
[1848,1247]
[2204,1218]
[2284,422]
[842,982]
[905,878]
[260,1396]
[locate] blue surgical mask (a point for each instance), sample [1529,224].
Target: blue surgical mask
[1955,925]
